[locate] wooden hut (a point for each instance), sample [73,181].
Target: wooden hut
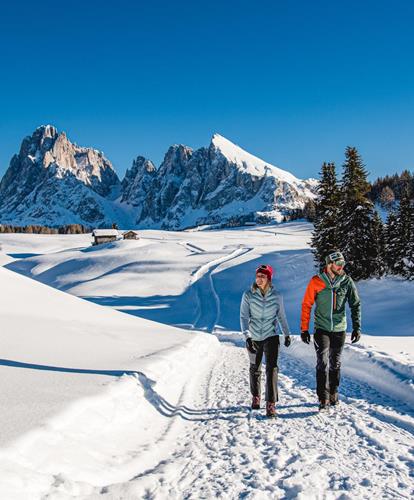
[130,235]
[104,236]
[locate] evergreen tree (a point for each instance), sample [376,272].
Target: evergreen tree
[391,242]
[324,236]
[404,252]
[377,248]
[355,227]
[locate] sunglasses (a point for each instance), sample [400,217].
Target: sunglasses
[337,259]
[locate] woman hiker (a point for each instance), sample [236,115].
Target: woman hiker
[262,315]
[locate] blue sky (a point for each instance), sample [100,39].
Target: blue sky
[293,82]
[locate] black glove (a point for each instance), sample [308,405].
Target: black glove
[250,346]
[287,341]
[356,335]
[305,336]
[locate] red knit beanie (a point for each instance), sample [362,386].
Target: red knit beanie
[265,269]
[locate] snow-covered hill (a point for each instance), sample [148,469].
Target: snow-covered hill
[52,181]
[127,408]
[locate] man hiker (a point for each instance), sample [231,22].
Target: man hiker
[330,290]
[262,315]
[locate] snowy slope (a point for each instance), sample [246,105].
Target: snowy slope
[75,379]
[248,162]
[195,279]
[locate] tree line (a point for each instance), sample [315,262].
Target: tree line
[389,189]
[38,229]
[345,218]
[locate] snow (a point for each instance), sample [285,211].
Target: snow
[105,232]
[250,163]
[128,394]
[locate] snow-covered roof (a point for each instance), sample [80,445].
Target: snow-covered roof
[105,232]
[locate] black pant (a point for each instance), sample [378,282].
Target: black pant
[270,347]
[328,346]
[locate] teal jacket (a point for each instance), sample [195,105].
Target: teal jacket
[330,299]
[262,316]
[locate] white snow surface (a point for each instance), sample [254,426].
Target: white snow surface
[141,390]
[252,164]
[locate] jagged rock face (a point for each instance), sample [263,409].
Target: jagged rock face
[53,181]
[214,185]
[139,185]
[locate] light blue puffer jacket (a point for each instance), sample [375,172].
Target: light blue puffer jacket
[262,316]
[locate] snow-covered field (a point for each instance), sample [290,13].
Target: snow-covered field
[138,399]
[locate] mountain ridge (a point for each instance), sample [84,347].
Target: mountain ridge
[53,181]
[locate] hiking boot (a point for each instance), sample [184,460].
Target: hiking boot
[256,403]
[323,405]
[333,399]
[270,410]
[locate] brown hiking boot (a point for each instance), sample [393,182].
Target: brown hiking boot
[271,410]
[256,403]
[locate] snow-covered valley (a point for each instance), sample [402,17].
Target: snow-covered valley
[141,390]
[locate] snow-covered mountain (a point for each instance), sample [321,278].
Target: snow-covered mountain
[53,181]
[221,183]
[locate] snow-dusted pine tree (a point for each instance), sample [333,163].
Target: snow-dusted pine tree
[377,248]
[324,236]
[404,261]
[391,242]
[355,230]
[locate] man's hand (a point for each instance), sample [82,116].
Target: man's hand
[305,336]
[287,341]
[356,335]
[250,346]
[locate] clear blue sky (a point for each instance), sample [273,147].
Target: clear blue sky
[293,82]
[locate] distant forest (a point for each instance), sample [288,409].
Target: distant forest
[386,190]
[36,229]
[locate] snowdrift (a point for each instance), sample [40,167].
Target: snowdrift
[82,381]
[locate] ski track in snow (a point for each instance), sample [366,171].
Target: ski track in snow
[225,450]
[208,301]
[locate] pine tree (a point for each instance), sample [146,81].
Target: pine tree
[391,242]
[355,229]
[404,252]
[377,248]
[324,236]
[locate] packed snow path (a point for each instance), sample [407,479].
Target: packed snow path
[360,450]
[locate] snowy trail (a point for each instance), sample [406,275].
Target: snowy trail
[228,451]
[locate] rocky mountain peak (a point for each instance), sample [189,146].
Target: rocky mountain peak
[54,181]
[50,167]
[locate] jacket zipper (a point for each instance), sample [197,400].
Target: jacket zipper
[332,294]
